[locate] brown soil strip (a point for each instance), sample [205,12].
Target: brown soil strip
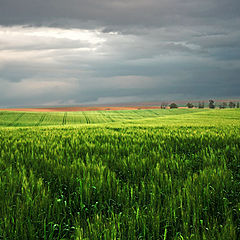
[77,109]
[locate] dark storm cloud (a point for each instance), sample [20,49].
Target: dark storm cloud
[156,13]
[69,52]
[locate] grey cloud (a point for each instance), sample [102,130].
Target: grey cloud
[112,13]
[137,50]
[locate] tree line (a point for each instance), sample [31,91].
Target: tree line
[211,104]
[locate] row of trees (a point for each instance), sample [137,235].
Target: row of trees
[230,105]
[223,104]
[211,104]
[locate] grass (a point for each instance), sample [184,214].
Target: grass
[144,174]
[14,119]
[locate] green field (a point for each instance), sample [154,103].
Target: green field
[143,174]
[14,119]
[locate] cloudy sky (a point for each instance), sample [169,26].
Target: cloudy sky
[58,52]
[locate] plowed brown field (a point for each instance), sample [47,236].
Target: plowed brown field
[76,109]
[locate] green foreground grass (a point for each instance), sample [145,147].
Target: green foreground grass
[144,174]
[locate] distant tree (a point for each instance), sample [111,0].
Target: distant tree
[238,105]
[173,105]
[211,104]
[232,105]
[163,105]
[189,105]
[223,105]
[201,105]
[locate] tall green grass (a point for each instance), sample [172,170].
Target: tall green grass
[168,177]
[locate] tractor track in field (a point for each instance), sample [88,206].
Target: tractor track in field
[13,123]
[64,121]
[41,120]
[86,118]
